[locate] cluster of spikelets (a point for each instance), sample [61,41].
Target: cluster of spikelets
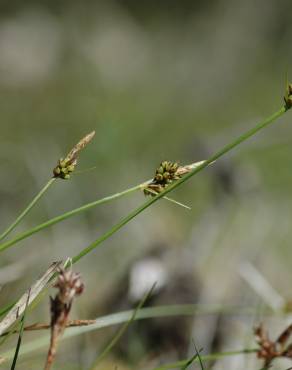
[165,174]
[64,168]
[69,286]
[270,350]
[288,96]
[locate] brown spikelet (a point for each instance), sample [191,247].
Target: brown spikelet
[69,285]
[67,165]
[72,155]
[269,350]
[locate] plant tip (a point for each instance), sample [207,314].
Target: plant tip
[67,165]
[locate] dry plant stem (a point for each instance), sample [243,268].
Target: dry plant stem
[43,326]
[179,182]
[27,209]
[69,324]
[55,333]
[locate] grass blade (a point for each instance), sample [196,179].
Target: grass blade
[213,356]
[122,330]
[20,335]
[65,216]
[171,187]
[199,357]
[189,362]
[27,209]
[179,182]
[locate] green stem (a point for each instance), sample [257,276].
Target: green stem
[64,216]
[173,186]
[122,330]
[27,209]
[213,356]
[86,207]
[134,213]
[13,366]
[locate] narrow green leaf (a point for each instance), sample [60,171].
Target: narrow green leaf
[213,356]
[13,366]
[27,209]
[65,216]
[122,330]
[199,357]
[170,188]
[179,182]
[189,362]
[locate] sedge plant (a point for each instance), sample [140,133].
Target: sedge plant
[168,177]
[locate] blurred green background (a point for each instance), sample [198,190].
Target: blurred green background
[164,80]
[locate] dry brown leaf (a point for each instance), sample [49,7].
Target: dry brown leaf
[19,307]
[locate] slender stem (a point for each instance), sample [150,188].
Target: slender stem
[213,356]
[13,366]
[122,330]
[43,326]
[133,214]
[64,216]
[52,348]
[27,209]
[171,187]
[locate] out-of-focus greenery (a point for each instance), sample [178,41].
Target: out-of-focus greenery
[157,81]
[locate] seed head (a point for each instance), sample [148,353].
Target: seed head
[288,96]
[268,349]
[69,284]
[67,165]
[165,174]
